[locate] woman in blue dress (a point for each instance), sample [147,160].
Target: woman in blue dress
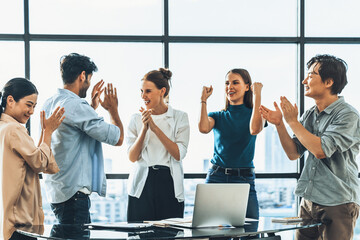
[235,129]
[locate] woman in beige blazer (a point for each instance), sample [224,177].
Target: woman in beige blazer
[20,159]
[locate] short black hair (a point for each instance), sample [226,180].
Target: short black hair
[331,67]
[72,65]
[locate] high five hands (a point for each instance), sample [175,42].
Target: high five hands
[289,111]
[110,97]
[95,94]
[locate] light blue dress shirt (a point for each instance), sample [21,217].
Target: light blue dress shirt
[76,145]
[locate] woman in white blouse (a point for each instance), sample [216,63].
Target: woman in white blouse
[158,138]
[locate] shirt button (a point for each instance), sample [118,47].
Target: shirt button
[310,181]
[317,121]
[313,168]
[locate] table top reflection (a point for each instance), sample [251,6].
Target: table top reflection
[259,228]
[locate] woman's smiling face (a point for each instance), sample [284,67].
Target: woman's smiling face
[22,109]
[151,95]
[235,88]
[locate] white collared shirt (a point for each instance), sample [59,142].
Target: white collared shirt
[180,134]
[158,155]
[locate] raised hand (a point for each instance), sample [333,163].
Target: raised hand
[290,111]
[206,93]
[95,94]
[54,121]
[110,99]
[256,88]
[274,117]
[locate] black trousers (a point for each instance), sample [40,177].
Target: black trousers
[157,200]
[18,236]
[75,210]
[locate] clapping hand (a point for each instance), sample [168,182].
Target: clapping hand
[290,111]
[54,121]
[146,118]
[274,117]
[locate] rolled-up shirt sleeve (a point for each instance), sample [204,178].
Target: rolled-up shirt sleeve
[132,132]
[341,134]
[87,120]
[182,135]
[40,159]
[299,147]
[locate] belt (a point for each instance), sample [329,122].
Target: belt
[160,167]
[79,194]
[234,171]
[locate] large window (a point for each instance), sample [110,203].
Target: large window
[342,23]
[233,18]
[11,17]
[11,60]
[107,17]
[200,41]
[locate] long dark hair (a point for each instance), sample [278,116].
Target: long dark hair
[248,97]
[17,88]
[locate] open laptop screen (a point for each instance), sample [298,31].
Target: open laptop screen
[217,204]
[220,204]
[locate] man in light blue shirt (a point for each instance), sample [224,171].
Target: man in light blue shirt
[330,132]
[77,144]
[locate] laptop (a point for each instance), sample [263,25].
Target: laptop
[219,204]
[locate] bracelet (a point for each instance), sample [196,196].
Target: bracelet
[203,102]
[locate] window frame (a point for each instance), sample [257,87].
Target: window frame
[301,40]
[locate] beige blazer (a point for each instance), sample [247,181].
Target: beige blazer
[20,163]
